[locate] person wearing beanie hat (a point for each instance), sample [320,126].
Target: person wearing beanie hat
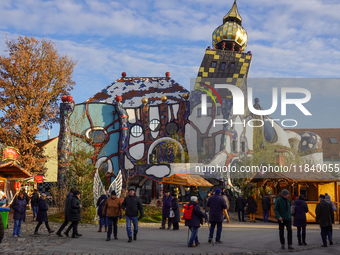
[218,191]
[217,204]
[175,208]
[300,220]
[132,204]
[100,206]
[113,211]
[284,217]
[195,222]
[325,217]
[167,201]
[42,214]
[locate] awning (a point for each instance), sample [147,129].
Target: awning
[11,170]
[186,180]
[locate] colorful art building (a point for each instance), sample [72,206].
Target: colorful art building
[152,127]
[136,125]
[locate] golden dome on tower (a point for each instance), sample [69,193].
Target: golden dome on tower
[231,35]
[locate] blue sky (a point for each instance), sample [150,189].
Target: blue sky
[288,38]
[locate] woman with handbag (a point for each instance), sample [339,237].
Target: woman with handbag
[299,209]
[174,212]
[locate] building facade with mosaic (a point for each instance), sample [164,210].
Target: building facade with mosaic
[152,127]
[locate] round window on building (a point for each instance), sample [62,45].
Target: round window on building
[171,128]
[96,135]
[136,131]
[155,125]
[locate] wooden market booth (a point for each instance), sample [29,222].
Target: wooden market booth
[185,181]
[10,171]
[310,184]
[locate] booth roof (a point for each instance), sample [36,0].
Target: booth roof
[186,180]
[11,170]
[297,176]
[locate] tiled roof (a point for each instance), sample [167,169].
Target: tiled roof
[133,89]
[329,150]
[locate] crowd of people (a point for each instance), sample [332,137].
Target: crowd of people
[216,206]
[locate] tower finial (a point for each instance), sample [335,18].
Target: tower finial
[233,15]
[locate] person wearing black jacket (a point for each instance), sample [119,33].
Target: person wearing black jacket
[132,204]
[195,222]
[325,217]
[102,217]
[34,202]
[266,204]
[240,204]
[175,207]
[66,221]
[42,215]
[74,213]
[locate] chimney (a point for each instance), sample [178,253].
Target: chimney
[48,134]
[280,157]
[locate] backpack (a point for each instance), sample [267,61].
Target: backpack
[187,215]
[292,210]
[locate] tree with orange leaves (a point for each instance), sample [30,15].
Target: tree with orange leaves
[33,77]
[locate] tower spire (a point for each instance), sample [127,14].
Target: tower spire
[233,15]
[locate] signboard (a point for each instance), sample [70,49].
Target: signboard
[10,153]
[39,179]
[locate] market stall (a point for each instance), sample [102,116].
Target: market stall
[311,184]
[185,185]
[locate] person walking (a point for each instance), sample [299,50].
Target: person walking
[167,201]
[113,210]
[34,203]
[252,208]
[300,220]
[175,208]
[66,221]
[19,207]
[266,205]
[328,200]
[284,217]
[132,204]
[74,214]
[100,206]
[217,204]
[42,214]
[325,217]
[240,204]
[195,222]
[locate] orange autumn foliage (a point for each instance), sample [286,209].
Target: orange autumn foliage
[33,77]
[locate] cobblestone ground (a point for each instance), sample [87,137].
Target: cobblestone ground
[39,245]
